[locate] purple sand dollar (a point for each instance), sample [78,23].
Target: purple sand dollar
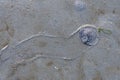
[88,35]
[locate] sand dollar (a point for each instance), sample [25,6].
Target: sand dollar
[89,35]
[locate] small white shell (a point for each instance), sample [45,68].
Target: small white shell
[89,35]
[80,5]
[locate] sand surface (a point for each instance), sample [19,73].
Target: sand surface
[35,43]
